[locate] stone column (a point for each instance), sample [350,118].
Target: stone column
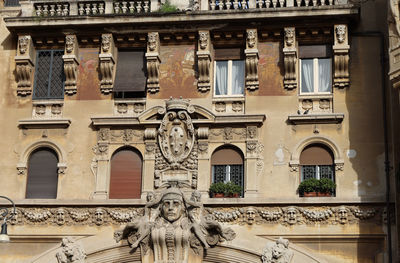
[149,160]
[103,160]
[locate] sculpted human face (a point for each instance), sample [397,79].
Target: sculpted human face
[172,209]
[277,251]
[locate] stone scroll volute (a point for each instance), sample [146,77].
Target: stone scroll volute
[71,63]
[107,63]
[204,61]
[24,65]
[290,58]
[251,53]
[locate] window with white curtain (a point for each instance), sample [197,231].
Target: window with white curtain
[229,72]
[315,69]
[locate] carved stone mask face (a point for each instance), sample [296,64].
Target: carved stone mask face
[60,216]
[98,215]
[172,208]
[342,213]
[291,213]
[277,251]
[251,215]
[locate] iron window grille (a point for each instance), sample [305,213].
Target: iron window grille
[49,75]
[317,172]
[11,3]
[228,173]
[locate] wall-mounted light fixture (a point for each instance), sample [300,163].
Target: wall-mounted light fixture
[6,215]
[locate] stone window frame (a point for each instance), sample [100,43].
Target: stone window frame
[298,149]
[22,166]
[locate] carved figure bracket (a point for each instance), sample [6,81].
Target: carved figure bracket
[71,64]
[290,58]
[153,62]
[341,76]
[24,64]
[107,62]
[204,61]
[251,64]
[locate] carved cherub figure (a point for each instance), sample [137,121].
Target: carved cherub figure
[277,252]
[71,252]
[195,209]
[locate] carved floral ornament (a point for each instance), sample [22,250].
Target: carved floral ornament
[280,215]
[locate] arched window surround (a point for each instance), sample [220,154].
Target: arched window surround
[295,157]
[243,157]
[135,150]
[22,165]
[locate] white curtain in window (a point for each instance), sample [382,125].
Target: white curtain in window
[221,78]
[237,77]
[307,75]
[324,70]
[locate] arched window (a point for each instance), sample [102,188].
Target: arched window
[227,166]
[126,174]
[317,161]
[42,174]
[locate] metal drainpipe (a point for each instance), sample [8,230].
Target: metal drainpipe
[385,131]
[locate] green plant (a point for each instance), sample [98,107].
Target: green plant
[217,188]
[167,7]
[231,189]
[326,185]
[309,185]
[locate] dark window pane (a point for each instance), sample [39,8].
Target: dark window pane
[49,75]
[326,171]
[42,174]
[308,172]
[219,173]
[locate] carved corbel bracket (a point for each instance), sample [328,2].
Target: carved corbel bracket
[204,61]
[290,58]
[153,62]
[24,64]
[341,76]
[71,63]
[251,53]
[107,62]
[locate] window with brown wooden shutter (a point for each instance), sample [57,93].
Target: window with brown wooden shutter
[42,174]
[126,174]
[227,166]
[317,161]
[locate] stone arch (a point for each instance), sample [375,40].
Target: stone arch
[245,248]
[22,165]
[295,157]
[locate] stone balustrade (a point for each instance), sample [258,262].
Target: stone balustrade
[73,7]
[130,7]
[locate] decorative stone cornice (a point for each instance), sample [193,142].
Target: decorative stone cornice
[285,215]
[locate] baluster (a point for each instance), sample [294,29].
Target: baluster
[267,3]
[52,10]
[212,4]
[124,7]
[87,9]
[244,4]
[281,3]
[59,10]
[314,2]
[81,10]
[94,8]
[146,6]
[221,4]
[298,2]
[101,8]
[131,7]
[235,4]
[322,2]
[45,10]
[116,8]
[330,2]
[39,11]
[139,6]
[258,4]
[274,3]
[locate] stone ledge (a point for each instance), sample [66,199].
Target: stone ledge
[330,118]
[46,123]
